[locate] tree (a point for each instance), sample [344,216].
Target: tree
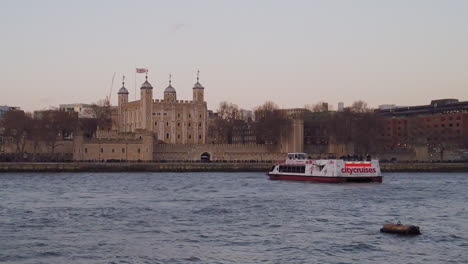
[57,124]
[103,114]
[222,127]
[361,128]
[318,107]
[17,124]
[360,107]
[270,123]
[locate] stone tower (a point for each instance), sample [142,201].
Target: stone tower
[198,91]
[170,94]
[146,100]
[123,99]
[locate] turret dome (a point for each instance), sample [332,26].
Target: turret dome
[146,85]
[169,89]
[123,90]
[198,85]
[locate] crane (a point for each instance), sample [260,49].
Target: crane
[108,98]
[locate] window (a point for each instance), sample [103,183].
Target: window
[178,115]
[178,136]
[155,123]
[199,124]
[200,115]
[102,150]
[189,115]
[167,123]
[165,113]
[123,150]
[199,137]
[113,150]
[189,124]
[190,136]
[139,150]
[167,135]
[178,123]
[86,150]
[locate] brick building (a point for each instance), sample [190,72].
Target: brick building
[442,123]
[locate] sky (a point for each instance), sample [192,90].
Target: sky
[291,52]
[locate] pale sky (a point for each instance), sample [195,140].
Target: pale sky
[291,52]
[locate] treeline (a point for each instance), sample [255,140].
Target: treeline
[49,127]
[267,123]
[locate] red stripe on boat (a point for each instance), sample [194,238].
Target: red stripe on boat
[358,165]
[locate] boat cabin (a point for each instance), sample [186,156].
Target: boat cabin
[297,156]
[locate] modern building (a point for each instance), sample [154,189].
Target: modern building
[340,107]
[442,123]
[83,110]
[4,109]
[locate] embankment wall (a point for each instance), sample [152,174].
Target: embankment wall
[205,167]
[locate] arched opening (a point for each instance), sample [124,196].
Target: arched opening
[205,157]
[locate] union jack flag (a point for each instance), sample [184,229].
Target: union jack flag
[141,70]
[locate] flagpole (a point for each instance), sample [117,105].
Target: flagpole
[134,72]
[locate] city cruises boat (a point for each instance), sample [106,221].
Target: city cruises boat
[297,167]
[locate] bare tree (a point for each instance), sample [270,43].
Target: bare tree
[17,124]
[318,107]
[360,107]
[57,124]
[270,123]
[228,116]
[103,114]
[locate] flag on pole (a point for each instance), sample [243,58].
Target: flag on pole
[141,70]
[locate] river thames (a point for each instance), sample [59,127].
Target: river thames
[229,218]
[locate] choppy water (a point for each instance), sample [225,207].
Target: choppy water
[229,218]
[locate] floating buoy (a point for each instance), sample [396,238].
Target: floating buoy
[401,229]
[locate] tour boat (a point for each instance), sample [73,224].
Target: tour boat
[297,167]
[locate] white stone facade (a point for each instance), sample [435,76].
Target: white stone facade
[170,120]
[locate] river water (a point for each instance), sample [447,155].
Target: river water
[229,218]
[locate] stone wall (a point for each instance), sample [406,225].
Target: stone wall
[217,152]
[62,146]
[113,149]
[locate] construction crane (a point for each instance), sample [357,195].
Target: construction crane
[108,98]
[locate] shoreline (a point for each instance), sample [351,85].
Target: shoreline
[199,167]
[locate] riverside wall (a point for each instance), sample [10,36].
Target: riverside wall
[202,167]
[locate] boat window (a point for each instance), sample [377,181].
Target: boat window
[290,156]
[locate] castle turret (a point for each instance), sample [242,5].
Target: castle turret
[170,94]
[146,100]
[198,90]
[123,99]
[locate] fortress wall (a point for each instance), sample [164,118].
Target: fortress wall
[228,152]
[106,149]
[62,146]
